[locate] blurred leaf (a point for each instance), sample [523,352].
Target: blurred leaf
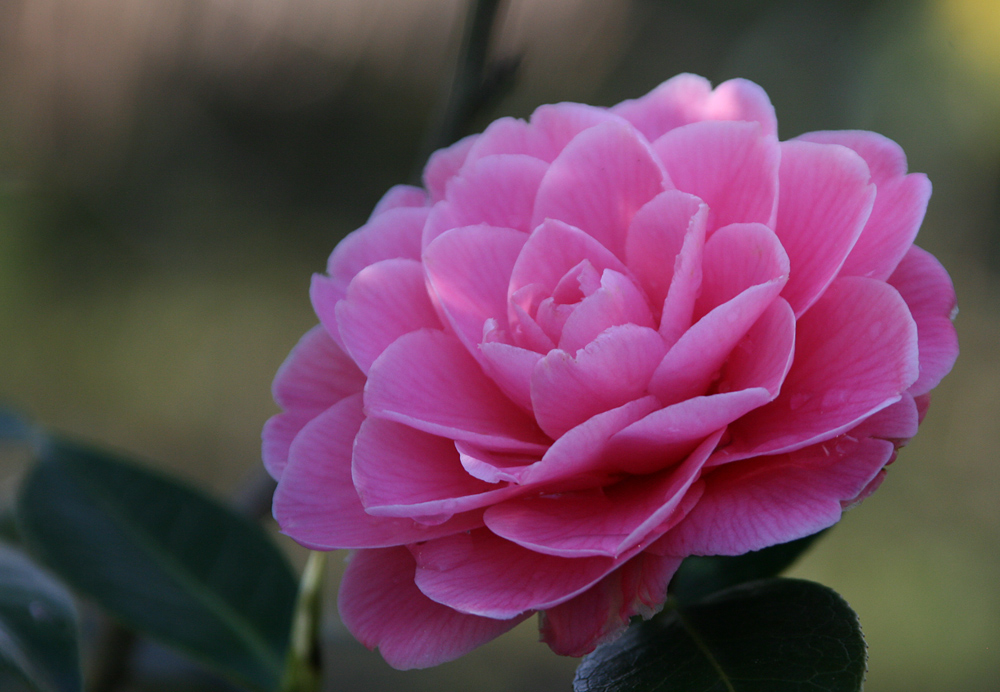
[38,630]
[13,427]
[701,576]
[775,635]
[164,558]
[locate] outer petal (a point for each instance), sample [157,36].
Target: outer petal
[402,472]
[391,234]
[495,190]
[400,196]
[731,166]
[688,98]
[601,614]
[598,183]
[384,301]
[427,380]
[316,503]
[482,574]
[613,370]
[468,270]
[928,291]
[759,502]
[855,354]
[825,201]
[444,164]
[602,521]
[315,376]
[899,205]
[381,606]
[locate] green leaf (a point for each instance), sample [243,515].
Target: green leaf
[13,427]
[165,559]
[700,576]
[38,626]
[775,635]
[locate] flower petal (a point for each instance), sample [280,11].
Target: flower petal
[444,164]
[316,503]
[402,472]
[602,613]
[482,574]
[756,503]
[598,183]
[899,204]
[825,201]
[381,606]
[930,295]
[427,380]
[468,270]
[855,354]
[395,291]
[400,196]
[600,521]
[612,370]
[731,166]
[616,302]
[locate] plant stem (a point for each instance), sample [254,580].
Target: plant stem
[303,667]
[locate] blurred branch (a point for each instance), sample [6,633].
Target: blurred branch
[476,81]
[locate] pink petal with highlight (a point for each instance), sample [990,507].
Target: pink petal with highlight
[598,183]
[611,371]
[381,606]
[731,166]
[825,202]
[427,380]
[482,574]
[316,503]
[930,295]
[737,257]
[394,290]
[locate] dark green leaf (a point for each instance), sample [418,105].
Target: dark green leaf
[775,635]
[37,626]
[700,576]
[164,558]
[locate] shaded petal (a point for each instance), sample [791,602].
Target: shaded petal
[615,303]
[401,196]
[381,606]
[427,380]
[394,233]
[316,503]
[468,270]
[756,503]
[402,472]
[663,437]
[482,574]
[855,354]
[495,190]
[444,164]
[899,205]
[612,370]
[731,166]
[578,458]
[930,295]
[384,301]
[688,98]
[896,423]
[510,367]
[493,467]
[736,257]
[598,183]
[276,440]
[602,613]
[825,201]
[697,358]
[658,232]
[764,356]
[601,521]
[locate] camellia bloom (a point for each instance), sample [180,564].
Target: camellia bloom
[598,342]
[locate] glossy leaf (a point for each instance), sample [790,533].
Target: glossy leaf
[164,558]
[700,576]
[38,627]
[775,635]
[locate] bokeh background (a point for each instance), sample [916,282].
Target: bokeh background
[173,171]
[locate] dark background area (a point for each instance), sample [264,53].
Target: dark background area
[172,172]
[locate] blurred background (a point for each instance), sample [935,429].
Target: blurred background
[173,171]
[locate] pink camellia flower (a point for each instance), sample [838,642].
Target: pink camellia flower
[598,342]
